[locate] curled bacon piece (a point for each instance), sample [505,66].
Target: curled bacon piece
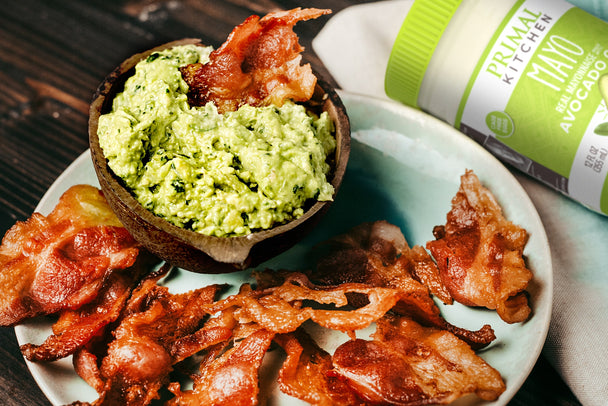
[376,253]
[480,253]
[259,64]
[231,379]
[279,309]
[158,330]
[48,264]
[307,373]
[76,328]
[407,364]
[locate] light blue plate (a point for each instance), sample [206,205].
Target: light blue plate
[405,167]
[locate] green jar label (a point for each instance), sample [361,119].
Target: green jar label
[537,98]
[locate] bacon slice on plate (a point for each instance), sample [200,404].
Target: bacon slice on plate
[307,373]
[376,253]
[480,253]
[230,379]
[259,65]
[279,309]
[77,327]
[58,262]
[407,364]
[158,330]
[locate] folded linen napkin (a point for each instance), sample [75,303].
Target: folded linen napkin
[354,46]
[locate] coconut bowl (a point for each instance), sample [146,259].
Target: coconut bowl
[191,250]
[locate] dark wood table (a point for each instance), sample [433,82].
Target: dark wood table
[53,54]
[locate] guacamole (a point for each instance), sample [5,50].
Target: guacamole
[217,174]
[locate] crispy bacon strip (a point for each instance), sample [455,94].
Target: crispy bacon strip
[259,64]
[158,330]
[424,269]
[407,364]
[48,264]
[75,328]
[279,309]
[377,254]
[307,373]
[231,379]
[480,253]
[85,362]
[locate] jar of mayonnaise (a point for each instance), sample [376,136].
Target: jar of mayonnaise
[527,79]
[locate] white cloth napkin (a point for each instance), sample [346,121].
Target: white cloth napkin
[354,46]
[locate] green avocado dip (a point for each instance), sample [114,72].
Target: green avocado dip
[221,175]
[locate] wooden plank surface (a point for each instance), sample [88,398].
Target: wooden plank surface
[53,54]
